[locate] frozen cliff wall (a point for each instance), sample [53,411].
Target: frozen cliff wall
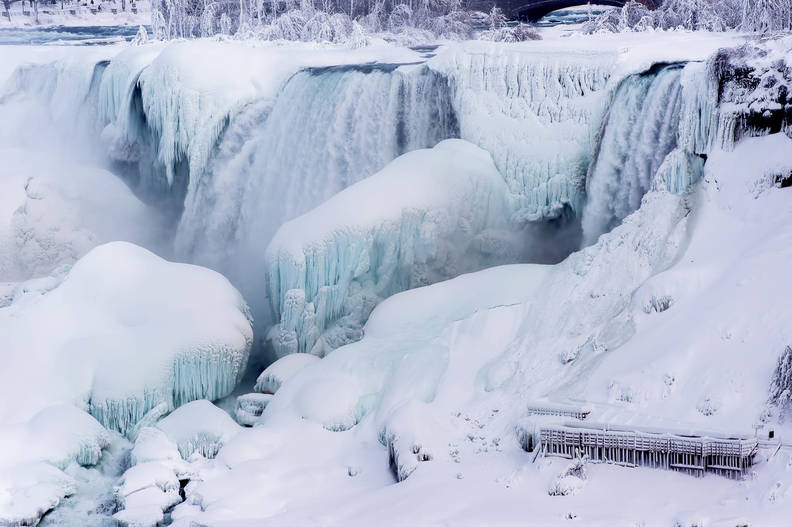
[752,86]
[429,215]
[126,332]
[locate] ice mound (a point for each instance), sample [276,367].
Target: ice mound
[199,427]
[280,371]
[127,331]
[58,435]
[146,491]
[427,216]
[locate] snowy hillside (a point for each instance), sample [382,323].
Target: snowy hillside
[419,265]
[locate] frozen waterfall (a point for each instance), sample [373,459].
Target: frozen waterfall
[328,128]
[641,143]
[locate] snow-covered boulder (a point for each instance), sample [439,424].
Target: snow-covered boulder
[427,216]
[27,492]
[250,406]
[280,371]
[126,331]
[35,452]
[152,444]
[199,427]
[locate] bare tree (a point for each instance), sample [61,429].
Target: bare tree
[7,6]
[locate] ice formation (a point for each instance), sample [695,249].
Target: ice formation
[349,122]
[537,114]
[138,332]
[429,215]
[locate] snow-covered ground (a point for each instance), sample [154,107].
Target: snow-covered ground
[304,172]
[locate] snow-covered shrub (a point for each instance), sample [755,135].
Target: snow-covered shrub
[754,84]
[767,15]
[697,15]
[315,20]
[571,480]
[518,33]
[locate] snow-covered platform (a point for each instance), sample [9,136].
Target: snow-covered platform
[693,453]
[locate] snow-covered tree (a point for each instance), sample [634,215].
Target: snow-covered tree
[698,15]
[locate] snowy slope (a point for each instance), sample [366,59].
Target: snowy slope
[444,373]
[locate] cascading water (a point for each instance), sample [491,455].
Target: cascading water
[638,134]
[328,128]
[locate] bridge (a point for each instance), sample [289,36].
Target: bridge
[533,10]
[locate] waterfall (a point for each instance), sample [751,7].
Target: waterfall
[638,135]
[328,128]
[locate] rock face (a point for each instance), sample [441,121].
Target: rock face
[754,91]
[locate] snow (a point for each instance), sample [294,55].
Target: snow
[52,213]
[152,444]
[429,215]
[35,454]
[29,491]
[250,406]
[138,331]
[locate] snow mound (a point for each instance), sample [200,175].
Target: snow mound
[199,427]
[429,215]
[152,444]
[127,331]
[282,370]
